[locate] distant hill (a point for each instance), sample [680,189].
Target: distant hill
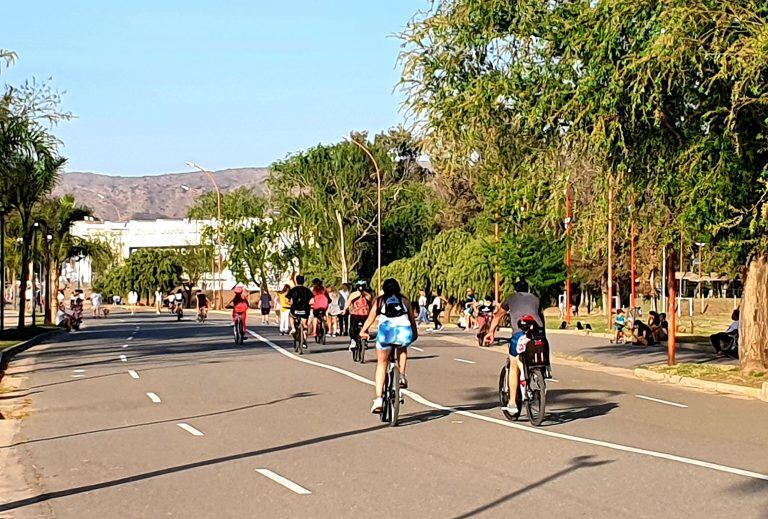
[154,196]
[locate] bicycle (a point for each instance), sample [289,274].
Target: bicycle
[238,330]
[391,393]
[358,352]
[533,384]
[299,334]
[202,315]
[320,336]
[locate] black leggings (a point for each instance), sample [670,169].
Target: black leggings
[355,325]
[436,317]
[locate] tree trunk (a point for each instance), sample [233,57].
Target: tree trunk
[753,332]
[343,251]
[25,253]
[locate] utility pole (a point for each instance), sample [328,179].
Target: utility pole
[672,315]
[701,292]
[633,265]
[568,252]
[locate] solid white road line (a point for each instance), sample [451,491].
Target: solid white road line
[465,361]
[191,430]
[512,425]
[133,374]
[287,483]
[154,397]
[123,358]
[417,349]
[662,401]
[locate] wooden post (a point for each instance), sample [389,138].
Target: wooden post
[672,305]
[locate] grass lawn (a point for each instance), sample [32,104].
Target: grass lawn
[13,336]
[715,373]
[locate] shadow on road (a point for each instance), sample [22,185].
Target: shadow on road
[145,424]
[567,405]
[580,462]
[47,496]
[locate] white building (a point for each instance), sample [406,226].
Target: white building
[132,235]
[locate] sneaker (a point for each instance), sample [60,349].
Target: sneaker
[403,382]
[377,405]
[441,327]
[352,345]
[511,409]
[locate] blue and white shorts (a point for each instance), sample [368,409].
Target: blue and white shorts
[393,334]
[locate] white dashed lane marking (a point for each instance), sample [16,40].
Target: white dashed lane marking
[133,374]
[465,361]
[537,431]
[287,483]
[417,349]
[154,398]
[191,430]
[675,404]
[123,358]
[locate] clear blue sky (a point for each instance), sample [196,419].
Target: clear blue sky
[224,83]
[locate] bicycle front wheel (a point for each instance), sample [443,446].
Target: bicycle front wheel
[536,404]
[394,395]
[504,393]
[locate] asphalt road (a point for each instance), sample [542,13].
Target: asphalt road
[187,424]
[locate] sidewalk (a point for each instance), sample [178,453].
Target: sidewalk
[590,348]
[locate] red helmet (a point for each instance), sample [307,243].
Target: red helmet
[526,322]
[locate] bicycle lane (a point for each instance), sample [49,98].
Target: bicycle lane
[439,377]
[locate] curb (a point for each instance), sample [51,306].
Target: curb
[705,385]
[7,354]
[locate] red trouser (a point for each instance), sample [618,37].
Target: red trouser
[243,317]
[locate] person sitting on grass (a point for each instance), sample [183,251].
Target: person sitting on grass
[619,322]
[642,334]
[723,341]
[661,330]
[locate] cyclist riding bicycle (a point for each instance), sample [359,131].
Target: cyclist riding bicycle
[522,307]
[300,300]
[201,303]
[240,306]
[397,329]
[358,306]
[320,302]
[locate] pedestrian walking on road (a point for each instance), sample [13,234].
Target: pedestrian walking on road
[265,304]
[423,312]
[334,311]
[285,311]
[344,316]
[133,300]
[438,303]
[158,300]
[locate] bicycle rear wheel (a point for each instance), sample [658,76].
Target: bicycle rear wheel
[394,395]
[386,409]
[504,392]
[537,402]
[363,345]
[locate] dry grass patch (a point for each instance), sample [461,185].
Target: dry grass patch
[714,373]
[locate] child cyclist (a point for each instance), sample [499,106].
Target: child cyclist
[619,323]
[240,307]
[397,329]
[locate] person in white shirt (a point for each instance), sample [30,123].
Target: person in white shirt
[158,300]
[96,300]
[725,343]
[133,300]
[423,313]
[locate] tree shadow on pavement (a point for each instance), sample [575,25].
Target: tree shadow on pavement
[145,424]
[47,496]
[577,463]
[567,405]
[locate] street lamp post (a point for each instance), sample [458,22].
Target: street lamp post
[48,239]
[220,302]
[701,292]
[610,252]
[633,262]
[378,211]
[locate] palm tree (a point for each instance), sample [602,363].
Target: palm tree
[29,169]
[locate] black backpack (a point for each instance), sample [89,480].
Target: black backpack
[393,307]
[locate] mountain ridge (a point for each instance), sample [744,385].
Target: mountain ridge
[165,195]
